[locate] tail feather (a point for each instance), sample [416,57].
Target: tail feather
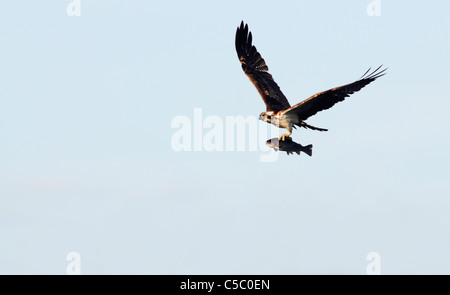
[305,125]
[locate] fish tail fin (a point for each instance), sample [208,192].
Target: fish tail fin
[308,150]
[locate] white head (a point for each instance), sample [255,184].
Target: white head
[266,116]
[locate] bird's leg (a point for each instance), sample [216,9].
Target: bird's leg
[283,137]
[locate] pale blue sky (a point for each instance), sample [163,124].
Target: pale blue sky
[87,166]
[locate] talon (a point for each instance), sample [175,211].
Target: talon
[283,137]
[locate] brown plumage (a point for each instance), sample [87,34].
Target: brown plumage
[278,110]
[256,69]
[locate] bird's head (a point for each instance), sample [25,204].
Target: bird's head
[266,116]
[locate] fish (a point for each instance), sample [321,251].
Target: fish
[289,146]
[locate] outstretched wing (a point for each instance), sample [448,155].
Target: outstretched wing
[326,99]
[256,69]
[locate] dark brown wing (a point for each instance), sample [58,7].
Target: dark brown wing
[256,69]
[325,100]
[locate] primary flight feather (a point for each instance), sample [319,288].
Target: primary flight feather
[278,110]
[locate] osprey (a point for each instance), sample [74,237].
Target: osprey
[278,110]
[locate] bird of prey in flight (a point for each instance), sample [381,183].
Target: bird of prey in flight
[278,110]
